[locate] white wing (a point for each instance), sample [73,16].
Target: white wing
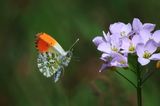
[46,64]
[58,49]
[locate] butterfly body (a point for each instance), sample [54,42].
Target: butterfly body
[51,57]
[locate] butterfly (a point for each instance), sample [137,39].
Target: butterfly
[52,58]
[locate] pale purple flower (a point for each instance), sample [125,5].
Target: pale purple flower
[113,45]
[119,60]
[138,26]
[123,39]
[146,53]
[121,29]
[106,58]
[101,39]
[113,60]
[145,35]
[129,45]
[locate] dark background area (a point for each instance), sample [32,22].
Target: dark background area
[21,84]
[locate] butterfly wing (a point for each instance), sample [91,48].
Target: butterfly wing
[45,43]
[47,64]
[51,57]
[64,61]
[57,74]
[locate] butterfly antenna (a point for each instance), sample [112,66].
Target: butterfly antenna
[74,44]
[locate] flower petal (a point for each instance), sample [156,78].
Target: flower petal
[116,27]
[126,29]
[103,67]
[126,42]
[156,36]
[137,25]
[105,57]
[98,40]
[119,60]
[155,57]
[136,39]
[104,47]
[116,41]
[148,26]
[151,46]
[143,61]
[106,36]
[140,49]
[145,35]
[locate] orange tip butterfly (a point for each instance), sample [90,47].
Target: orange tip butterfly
[52,58]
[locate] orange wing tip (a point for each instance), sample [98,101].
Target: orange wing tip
[44,42]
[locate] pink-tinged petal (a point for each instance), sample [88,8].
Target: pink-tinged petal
[137,25]
[104,47]
[156,36]
[116,27]
[140,49]
[98,40]
[148,26]
[143,61]
[155,56]
[151,46]
[145,35]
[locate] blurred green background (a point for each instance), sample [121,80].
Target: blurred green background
[21,84]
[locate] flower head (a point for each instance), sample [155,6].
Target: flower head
[113,60]
[123,39]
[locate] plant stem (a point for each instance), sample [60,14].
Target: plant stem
[139,88]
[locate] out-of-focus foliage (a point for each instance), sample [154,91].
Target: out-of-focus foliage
[21,84]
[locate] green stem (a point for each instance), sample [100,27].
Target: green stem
[126,79]
[139,88]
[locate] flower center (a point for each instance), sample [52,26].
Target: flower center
[123,33]
[122,62]
[131,47]
[114,49]
[146,54]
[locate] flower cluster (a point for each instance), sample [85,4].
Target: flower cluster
[123,39]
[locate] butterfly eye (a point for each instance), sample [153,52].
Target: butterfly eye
[69,54]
